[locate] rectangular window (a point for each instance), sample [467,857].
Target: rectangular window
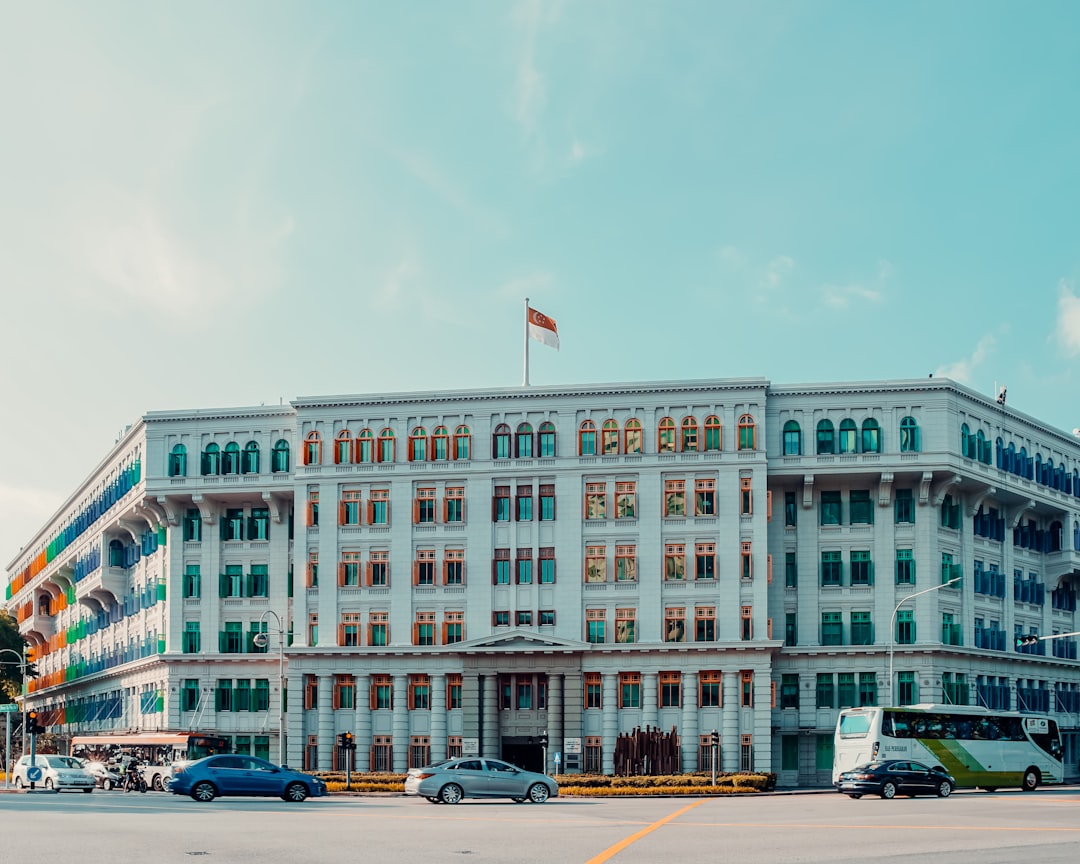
[746,558]
[419,751]
[904,507]
[424,506]
[746,496]
[746,623]
[789,752]
[224,695]
[709,691]
[454,504]
[625,626]
[382,693]
[344,693]
[593,690]
[349,570]
[424,628]
[704,623]
[629,690]
[791,628]
[379,629]
[523,510]
[313,570]
[424,567]
[791,570]
[500,504]
[862,568]
[595,564]
[826,697]
[845,691]
[862,629]
[259,524]
[233,638]
[951,633]
[594,754]
[832,569]
[675,625]
[233,525]
[905,627]
[674,498]
[453,693]
[192,581]
[192,640]
[547,502]
[349,508]
[349,629]
[670,689]
[595,500]
[832,628]
[547,617]
[547,565]
[831,509]
[704,497]
[595,626]
[705,560]
[524,567]
[862,511]
[791,510]
[867,689]
[419,693]
[454,567]
[453,628]
[675,562]
[378,569]
[789,691]
[192,525]
[907,689]
[259,581]
[905,567]
[626,499]
[189,694]
[232,581]
[747,688]
[379,507]
[500,618]
[313,628]
[382,746]
[500,567]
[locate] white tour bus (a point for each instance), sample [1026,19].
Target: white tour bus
[981,748]
[157,752]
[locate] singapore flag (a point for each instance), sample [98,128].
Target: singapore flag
[542,329]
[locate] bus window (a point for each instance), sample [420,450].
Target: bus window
[854,725]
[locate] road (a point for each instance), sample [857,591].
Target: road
[968,828]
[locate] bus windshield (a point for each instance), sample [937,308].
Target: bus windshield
[854,725]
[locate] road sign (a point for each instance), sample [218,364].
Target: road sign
[33,773]
[9,708]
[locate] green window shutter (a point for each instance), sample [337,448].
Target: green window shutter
[222,641]
[247,585]
[223,585]
[162,535]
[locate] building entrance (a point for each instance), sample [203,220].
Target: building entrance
[524,751]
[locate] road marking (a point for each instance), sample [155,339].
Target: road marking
[867,826]
[612,851]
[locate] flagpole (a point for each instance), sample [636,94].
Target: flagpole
[525,382]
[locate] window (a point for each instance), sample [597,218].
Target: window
[382,693]
[593,690]
[232,581]
[587,438]
[862,568]
[595,500]
[349,629]
[688,434]
[211,460]
[313,629]
[378,569]
[343,448]
[674,625]
[595,564]
[665,436]
[791,510]
[871,436]
[746,558]
[674,498]
[500,504]
[192,586]
[626,563]
[905,627]
[595,627]
[365,446]
[189,694]
[424,506]
[832,628]
[232,525]
[192,525]
[791,570]
[789,752]
[704,623]
[547,440]
[746,496]
[629,689]
[632,437]
[904,507]
[524,618]
[594,754]
[462,443]
[453,693]
[524,504]
[379,507]
[313,449]
[625,626]
[523,441]
[712,433]
[789,691]
[626,499]
[386,446]
[178,461]
[951,632]
[232,638]
[830,508]
[905,567]
[453,629]
[867,689]
[547,565]
[454,567]
[379,629]
[424,567]
[862,629]
[849,433]
[907,689]
[747,433]
[500,442]
[424,629]
[259,581]
[349,508]
[709,692]
[547,617]
[747,681]
[500,567]
[845,691]
[674,562]
[500,618]
[791,629]
[192,639]
[524,567]
[313,508]
[862,511]
[547,502]
[440,444]
[909,435]
[746,623]
[454,504]
[792,439]
[826,695]
[279,457]
[826,443]
[704,497]
[670,689]
[704,560]
[313,570]
[609,438]
[259,524]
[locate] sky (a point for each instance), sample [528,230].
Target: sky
[214,204]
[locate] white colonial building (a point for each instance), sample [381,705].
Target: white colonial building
[480,571]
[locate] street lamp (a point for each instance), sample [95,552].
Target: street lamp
[892,621]
[262,640]
[7,740]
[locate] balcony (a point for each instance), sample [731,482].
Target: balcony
[1059,564]
[108,579]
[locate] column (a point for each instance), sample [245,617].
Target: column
[689,733]
[362,756]
[762,729]
[649,695]
[438,717]
[326,722]
[729,722]
[489,744]
[555,721]
[294,720]
[610,721]
[400,726]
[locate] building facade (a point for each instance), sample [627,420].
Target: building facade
[484,571]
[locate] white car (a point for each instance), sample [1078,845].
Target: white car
[57,772]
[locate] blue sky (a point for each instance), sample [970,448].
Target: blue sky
[218,204]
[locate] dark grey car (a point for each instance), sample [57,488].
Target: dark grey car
[448,782]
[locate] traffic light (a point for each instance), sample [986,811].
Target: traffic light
[33,724]
[714,738]
[346,741]
[543,739]
[1030,639]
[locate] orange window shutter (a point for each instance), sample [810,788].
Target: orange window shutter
[368,573]
[341,574]
[444,632]
[370,512]
[415,572]
[416,511]
[768,506]
[340,641]
[445,509]
[768,564]
[341,513]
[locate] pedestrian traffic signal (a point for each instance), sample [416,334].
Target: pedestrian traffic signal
[714,738]
[1030,639]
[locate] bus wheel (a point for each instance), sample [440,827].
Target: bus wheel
[1031,780]
[158,785]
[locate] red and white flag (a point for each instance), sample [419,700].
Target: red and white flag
[542,329]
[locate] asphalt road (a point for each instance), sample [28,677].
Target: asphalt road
[968,828]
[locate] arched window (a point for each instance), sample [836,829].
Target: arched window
[365,446]
[982,447]
[343,448]
[688,438]
[792,439]
[211,460]
[386,445]
[231,463]
[462,443]
[547,440]
[418,445]
[665,436]
[714,439]
[523,441]
[965,441]
[609,438]
[313,449]
[747,433]
[251,458]
[587,439]
[280,459]
[632,438]
[178,461]
[909,435]
[1022,463]
[440,444]
[871,436]
[849,435]
[500,442]
[1010,458]
[826,441]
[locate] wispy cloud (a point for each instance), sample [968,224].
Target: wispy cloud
[777,271]
[873,291]
[24,508]
[1068,322]
[962,370]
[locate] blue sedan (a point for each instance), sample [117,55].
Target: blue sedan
[232,774]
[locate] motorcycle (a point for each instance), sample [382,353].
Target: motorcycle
[133,780]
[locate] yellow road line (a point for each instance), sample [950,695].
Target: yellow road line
[612,851]
[832,826]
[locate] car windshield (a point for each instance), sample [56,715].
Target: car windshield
[64,762]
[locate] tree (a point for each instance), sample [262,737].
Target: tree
[10,674]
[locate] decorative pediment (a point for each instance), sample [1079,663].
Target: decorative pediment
[520,640]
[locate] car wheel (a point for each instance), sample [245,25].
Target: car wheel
[295,792]
[944,789]
[18,783]
[888,789]
[1031,780]
[538,793]
[158,785]
[855,795]
[203,791]
[451,793]
[106,784]
[48,783]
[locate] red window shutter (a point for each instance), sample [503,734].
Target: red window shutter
[445,509]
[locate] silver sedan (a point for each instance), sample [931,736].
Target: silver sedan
[448,782]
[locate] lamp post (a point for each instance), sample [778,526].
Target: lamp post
[892,621]
[262,640]
[7,739]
